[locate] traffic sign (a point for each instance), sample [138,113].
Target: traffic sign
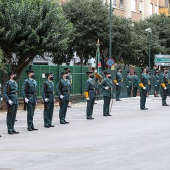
[105,52]
[99,64]
[110,62]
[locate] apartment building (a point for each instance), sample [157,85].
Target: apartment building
[134,9]
[164,7]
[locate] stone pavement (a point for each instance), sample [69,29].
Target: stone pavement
[131,139]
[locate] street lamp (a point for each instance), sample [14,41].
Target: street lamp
[149,30]
[110,30]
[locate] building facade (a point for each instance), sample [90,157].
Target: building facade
[134,9]
[164,7]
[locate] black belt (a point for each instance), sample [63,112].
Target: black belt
[31,93]
[50,92]
[13,93]
[65,90]
[92,89]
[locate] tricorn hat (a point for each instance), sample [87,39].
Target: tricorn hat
[107,72]
[65,72]
[11,73]
[89,72]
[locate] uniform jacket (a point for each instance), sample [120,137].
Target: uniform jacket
[90,88]
[47,90]
[29,89]
[13,90]
[129,81]
[119,78]
[164,79]
[135,81]
[64,88]
[144,80]
[107,82]
[156,80]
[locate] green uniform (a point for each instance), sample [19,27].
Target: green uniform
[47,91]
[90,89]
[135,81]
[28,91]
[63,88]
[164,79]
[149,83]
[119,80]
[129,85]
[10,93]
[143,92]
[156,82]
[107,95]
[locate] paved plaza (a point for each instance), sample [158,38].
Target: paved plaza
[131,139]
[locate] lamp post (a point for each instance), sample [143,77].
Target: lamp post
[149,30]
[110,28]
[98,55]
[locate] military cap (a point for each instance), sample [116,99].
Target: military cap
[89,72]
[118,69]
[29,71]
[66,68]
[47,74]
[11,73]
[65,72]
[107,72]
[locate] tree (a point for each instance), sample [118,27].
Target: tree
[91,22]
[2,63]
[31,27]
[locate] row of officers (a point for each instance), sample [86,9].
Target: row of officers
[63,89]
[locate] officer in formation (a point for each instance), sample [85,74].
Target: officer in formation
[90,94]
[70,79]
[47,92]
[156,82]
[107,86]
[164,87]
[28,92]
[129,84]
[63,90]
[135,81]
[118,82]
[10,94]
[144,88]
[149,82]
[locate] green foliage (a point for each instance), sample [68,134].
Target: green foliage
[91,22]
[31,27]
[2,63]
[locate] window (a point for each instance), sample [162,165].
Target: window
[114,3]
[156,9]
[121,4]
[151,9]
[140,6]
[133,5]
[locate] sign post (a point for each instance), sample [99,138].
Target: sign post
[162,60]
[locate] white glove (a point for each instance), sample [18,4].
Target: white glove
[88,98]
[127,86]
[46,99]
[165,88]
[117,84]
[95,71]
[61,96]
[10,102]
[106,87]
[144,88]
[155,85]
[26,100]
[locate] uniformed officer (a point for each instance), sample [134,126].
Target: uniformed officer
[90,94]
[70,79]
[10,94]
[107,86]
[129,84]
[47,92]
[149,82]
[28,92]
[144,87]
[135,81]
[164,87]
[118,82]
[168,83]
[63,90]
[156,82]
